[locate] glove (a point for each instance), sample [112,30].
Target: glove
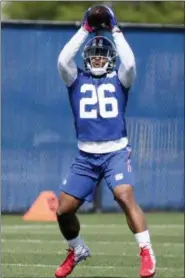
[85,23]
[113,20]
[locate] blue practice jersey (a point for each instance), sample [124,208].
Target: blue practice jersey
[98,106]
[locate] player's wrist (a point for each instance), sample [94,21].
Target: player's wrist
[84,30]
[115,29]
[85,23]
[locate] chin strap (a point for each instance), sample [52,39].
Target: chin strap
[98,71]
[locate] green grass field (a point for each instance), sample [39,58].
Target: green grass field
[35,249]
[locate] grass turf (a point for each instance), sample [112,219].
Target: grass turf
[33,249]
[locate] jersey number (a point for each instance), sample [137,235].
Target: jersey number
[98,96]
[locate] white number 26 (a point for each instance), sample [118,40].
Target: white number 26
[98,96]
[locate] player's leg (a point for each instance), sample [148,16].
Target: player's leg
[137,224]
[135,217]
[66,216]
[75,189]
[69,202]
[120,180]
[70,228]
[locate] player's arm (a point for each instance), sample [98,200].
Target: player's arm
[127,68]
[66,65]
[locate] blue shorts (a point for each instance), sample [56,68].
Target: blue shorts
[87,170]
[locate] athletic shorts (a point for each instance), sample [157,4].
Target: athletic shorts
[87,170]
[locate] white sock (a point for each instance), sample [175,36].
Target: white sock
[143,239]
[75,242]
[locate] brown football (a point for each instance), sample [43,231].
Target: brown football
[98,17]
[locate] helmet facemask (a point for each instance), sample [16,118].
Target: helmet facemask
[99,58]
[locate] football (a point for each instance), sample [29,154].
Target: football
[98,17]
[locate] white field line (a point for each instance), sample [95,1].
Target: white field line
[93,253]
[39,241]
[89,226]
[89,266]
[115,232]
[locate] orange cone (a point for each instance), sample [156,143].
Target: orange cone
[43,209]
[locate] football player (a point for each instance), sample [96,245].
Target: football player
[98,97]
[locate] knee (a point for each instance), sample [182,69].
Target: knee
[63,205]
[65,210]
[67,204]
[124,196]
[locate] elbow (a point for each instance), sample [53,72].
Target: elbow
[132,71]
[131,67]
[61,60]
[131,63]
[61,64]
[64,57]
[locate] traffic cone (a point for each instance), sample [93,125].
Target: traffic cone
[43,209]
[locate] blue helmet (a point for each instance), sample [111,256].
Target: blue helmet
[99,46]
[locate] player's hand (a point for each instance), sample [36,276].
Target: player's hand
[113,20]
[85,23]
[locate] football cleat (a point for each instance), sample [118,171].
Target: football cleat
[148,263]
[74,256]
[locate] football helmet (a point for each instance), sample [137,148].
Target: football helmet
[105,50]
